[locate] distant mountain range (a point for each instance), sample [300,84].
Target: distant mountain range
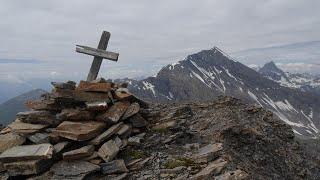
[211,73]
[10,108]
[305,82]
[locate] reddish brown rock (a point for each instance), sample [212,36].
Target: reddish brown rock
[79,131]
[94,87]
[114,113]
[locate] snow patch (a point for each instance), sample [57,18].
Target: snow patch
[149,86]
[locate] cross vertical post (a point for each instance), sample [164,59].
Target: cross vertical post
[99,54]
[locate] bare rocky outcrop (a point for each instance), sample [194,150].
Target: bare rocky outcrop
[93,132]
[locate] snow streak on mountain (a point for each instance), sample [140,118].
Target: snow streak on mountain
[211,73]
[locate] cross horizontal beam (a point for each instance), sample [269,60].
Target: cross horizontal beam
[97,52]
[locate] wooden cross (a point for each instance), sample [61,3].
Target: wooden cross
[99,54]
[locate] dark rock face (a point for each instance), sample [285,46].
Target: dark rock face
[206,75]
[254,142]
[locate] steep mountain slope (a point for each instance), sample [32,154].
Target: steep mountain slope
[10,108]
[210,73]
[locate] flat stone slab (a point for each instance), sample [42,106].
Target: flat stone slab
[27,152]
[79,131]
[214,168]
[94,87]
[108,150]
[107,134]
[26,128]
[10,140]
[29,167]
[80,153]
[82,96]
[132,110]
[114,113]
[37,117]
[72,170]
[39,138]
[114,167]
[208,153]
[125,130]
[97,106]
[75,115]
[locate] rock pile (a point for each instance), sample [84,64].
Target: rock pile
[72,132]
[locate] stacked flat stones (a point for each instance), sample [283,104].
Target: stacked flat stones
[72,132]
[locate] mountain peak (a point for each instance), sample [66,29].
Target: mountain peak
[271,68]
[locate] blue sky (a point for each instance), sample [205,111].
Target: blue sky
[146,33]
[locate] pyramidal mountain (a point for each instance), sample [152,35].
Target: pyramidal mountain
[305,82]
[210,73]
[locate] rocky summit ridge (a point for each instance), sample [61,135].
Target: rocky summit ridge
[205,75]
[99,130]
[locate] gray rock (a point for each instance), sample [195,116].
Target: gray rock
[64,85]
[29,167]
[37,117]
[27,152]
[73,170]
[138,121]
[80,153]
[106,135]
[114,113]
[132,110]
[39,138]
[114,167]
[208,153]
[214,168]
[10,140]
[108,151]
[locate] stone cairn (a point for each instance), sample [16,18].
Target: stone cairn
[73,131]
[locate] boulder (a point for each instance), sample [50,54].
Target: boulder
[108,150]
[114,167]
[10,140]
[79,131]
[27,152]
[80,153]
[106,135]
[114,113]
[136,140]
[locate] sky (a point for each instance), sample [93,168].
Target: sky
[38,38]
